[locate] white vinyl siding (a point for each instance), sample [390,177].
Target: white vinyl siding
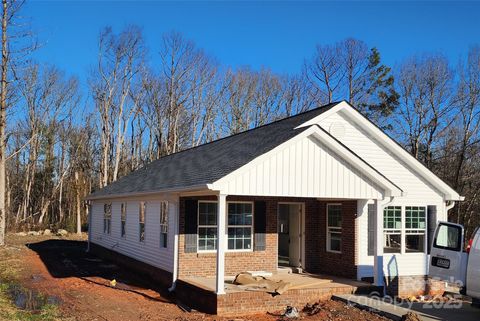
[304,168]
[148,251]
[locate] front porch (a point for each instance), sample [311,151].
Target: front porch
[199,293]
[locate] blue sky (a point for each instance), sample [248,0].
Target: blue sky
[278,35]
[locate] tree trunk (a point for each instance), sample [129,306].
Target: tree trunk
[3,122]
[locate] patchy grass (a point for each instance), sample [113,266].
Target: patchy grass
[10,276]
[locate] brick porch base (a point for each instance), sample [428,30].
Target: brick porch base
[252,302]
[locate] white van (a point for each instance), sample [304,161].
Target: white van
[450,262]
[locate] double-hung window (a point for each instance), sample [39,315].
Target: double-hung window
[334,228]
[107,218]
[207,226]
[123,218]
[240,226]
[163,224]
[415,226]
[392,229]
[141,221]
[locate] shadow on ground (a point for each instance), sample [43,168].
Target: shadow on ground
[67,258]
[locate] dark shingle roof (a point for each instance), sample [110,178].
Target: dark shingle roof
[209,162]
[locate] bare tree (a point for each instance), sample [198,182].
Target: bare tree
[120,60]
[425,85]
[325,70]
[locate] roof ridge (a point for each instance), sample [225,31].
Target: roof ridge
[329,105]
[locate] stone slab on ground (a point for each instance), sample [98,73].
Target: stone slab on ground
[426,311]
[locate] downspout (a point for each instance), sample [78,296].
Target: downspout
[89,214]
[175,248]
[448,206]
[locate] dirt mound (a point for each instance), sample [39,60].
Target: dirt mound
[410,316]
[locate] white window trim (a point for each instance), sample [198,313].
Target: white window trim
[107,231]
[403,231]
[124,236]
[226,228]
[162,246]
[252,227]
[328,229]
[144,222]
[204,226]
[394,231]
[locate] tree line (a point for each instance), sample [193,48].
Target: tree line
[61,139]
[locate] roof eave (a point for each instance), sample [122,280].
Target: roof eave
[147,193]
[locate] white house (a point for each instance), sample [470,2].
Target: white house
[325,190]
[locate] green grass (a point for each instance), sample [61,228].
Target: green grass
[10,272]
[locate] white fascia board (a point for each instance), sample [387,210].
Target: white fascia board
[150,193]
[314,131]
[416,165]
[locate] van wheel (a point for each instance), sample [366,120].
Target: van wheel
[475,303]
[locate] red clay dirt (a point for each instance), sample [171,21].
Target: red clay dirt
[82,282]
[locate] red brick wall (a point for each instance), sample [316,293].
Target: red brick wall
[318,260]
[204,264]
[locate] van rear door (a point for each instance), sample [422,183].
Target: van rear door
[473,268]
[448,262]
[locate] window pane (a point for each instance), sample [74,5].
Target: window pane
[207,214]
[392,217]
[123,228]
[415,243]
[123,211]
[141,212]
[335,241]
[239,238]
[142,232]
[240,214]
[334,215]
[207,238]
[392,242]
[448,237]
[415,217]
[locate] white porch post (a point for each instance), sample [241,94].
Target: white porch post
[221,243]
[378,245]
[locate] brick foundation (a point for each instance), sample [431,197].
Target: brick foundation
[317,259]
[408,285]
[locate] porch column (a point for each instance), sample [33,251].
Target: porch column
[378,245]
[221,243]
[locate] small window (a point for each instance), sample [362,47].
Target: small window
[163,224]
[448,237]
[334,228]
[415,227]
[240,226]
[207,226]
[107,218]
[392,229]
[141,219]
[123,218]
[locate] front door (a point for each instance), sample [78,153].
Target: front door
[290,232]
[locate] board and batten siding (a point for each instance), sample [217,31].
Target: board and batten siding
[305,168]
[418,192]
[149,251]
